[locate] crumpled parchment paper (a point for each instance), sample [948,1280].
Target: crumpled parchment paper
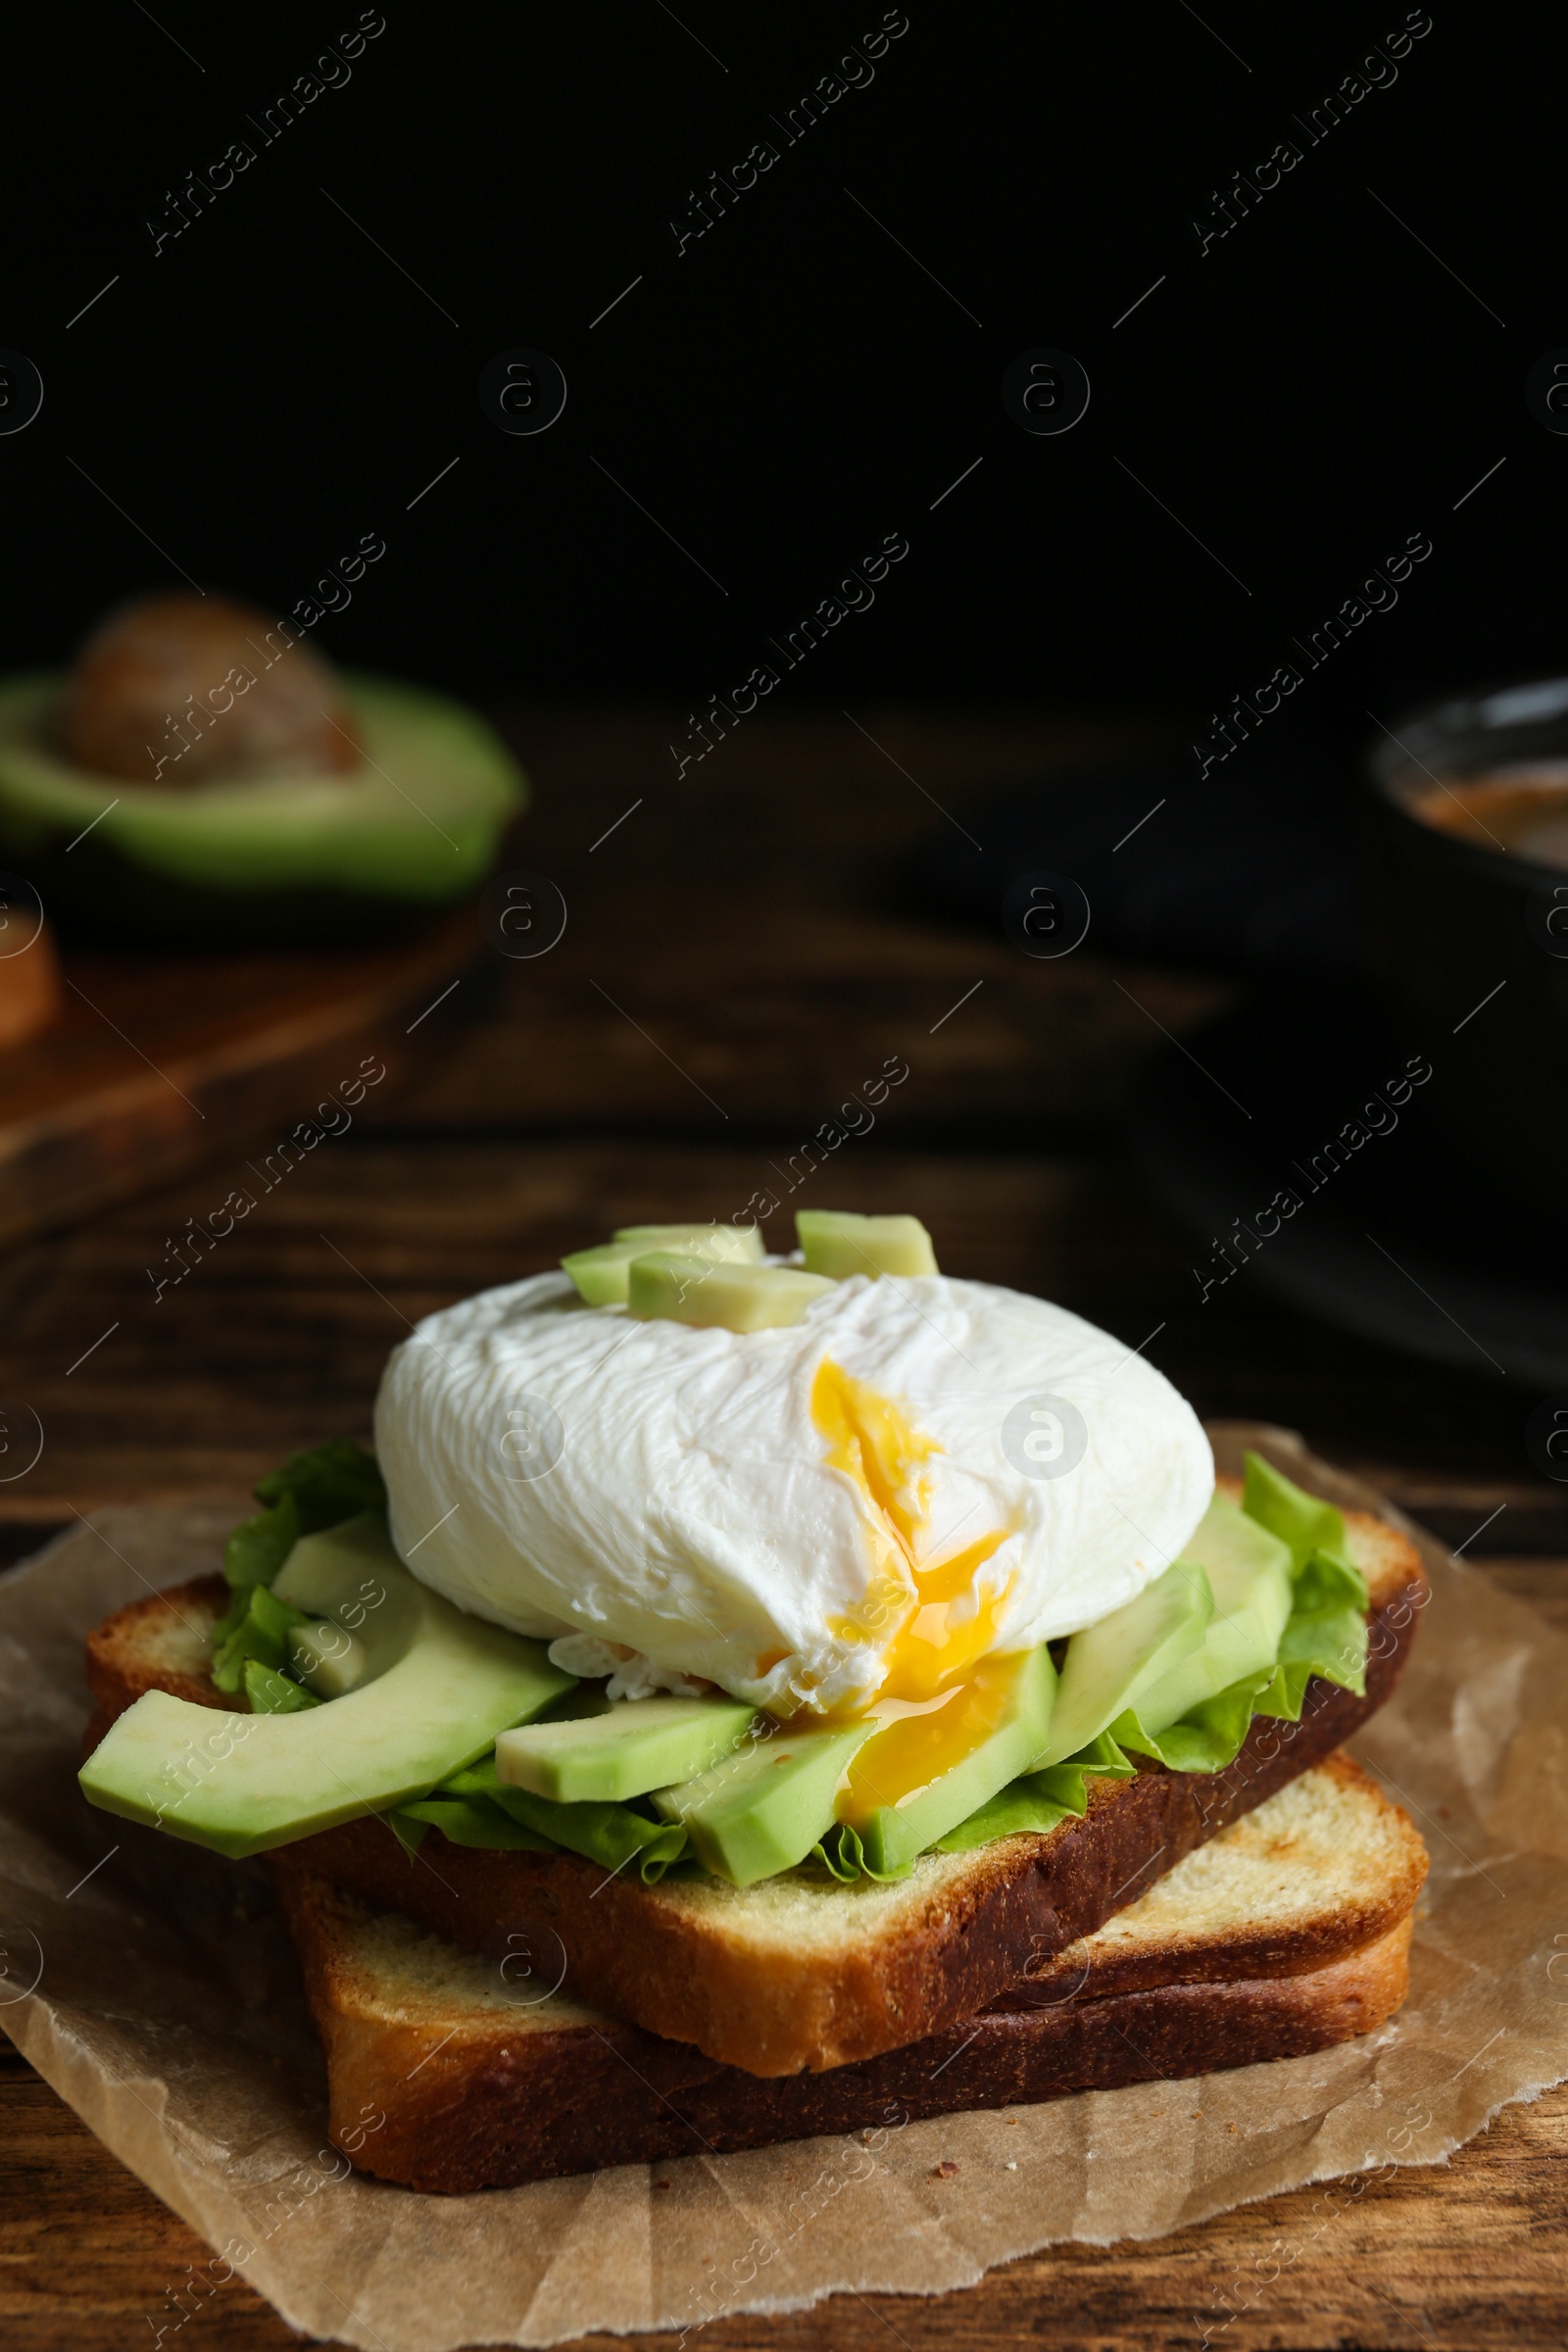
[155,1989]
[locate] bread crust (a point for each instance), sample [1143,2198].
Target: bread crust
[488,2101]
[686,1962]
[162,1643]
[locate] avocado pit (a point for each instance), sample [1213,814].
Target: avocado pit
[179,690]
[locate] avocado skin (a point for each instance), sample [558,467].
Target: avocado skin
[107,899]
[96,897]
[339,862]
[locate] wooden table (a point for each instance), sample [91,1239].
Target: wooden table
[735,962]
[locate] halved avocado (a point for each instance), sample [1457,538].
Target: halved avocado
[262,860]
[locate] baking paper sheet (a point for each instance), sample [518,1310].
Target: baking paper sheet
[157,1993]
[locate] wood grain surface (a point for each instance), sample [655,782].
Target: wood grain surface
[742,965]
[158,1061]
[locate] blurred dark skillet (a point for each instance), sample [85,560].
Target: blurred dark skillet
[1248,871]
[1276,869]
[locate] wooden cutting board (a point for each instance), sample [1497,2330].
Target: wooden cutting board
[160,1061]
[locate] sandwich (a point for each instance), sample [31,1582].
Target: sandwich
[742,1695]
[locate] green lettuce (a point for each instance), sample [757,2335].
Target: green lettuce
[311,1492]
[1040,1799]
[1302,1522]
[1325,1633]
[475,1808]
[842,1855]
[474,1821]
[273,1694]
[257,1627]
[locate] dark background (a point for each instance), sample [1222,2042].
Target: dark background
[282,379]
[793,387]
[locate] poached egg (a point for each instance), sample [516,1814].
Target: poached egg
[859,1509]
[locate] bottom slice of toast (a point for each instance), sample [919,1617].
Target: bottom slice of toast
[448,2071]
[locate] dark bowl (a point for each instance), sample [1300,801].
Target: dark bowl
[1467,939]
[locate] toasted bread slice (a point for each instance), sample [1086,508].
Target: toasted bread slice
[164,1643]
[1287,1932]
[796,1971]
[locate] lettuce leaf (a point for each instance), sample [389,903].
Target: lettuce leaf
[329,1483]
[258,1547]
[474,1821]
[608,1833]
[1302,1521]
[273,1694]
[259,1630]
[842,1855]
[1207,1738]
[311,1492]
[1040,1799]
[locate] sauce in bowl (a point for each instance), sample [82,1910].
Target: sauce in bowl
[1522,811]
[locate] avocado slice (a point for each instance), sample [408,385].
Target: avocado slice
[413,824]
[1249,1573]
[601,1274]
[328,1659]
[740,1244]
[1109,1665]
[838,1243]
[665,1287]
[444,1685]
[762,1811]
[637,1744]
[1019,1715]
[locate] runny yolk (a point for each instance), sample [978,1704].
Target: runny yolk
[919,1744]
[942,1692]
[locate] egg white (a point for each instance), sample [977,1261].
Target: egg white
[693,1517]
